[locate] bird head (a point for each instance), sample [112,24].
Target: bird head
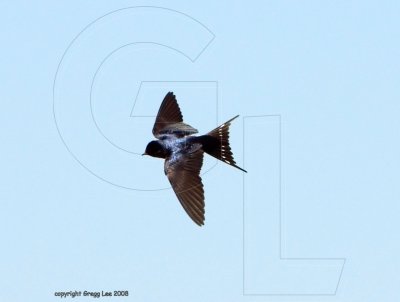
[155,149]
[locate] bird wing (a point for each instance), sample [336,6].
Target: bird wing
[183,172]
[169,119]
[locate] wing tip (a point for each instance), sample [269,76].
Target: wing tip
[199,223]
[241,169]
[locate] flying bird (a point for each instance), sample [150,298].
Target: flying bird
[183,154]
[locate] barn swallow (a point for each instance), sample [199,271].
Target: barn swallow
[183,154]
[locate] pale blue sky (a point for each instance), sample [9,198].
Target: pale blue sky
[326,74]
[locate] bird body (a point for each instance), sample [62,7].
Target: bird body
[183,154]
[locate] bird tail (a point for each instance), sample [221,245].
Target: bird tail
[216,143]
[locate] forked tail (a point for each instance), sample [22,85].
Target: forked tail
[216,143]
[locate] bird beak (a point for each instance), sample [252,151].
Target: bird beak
[144,153]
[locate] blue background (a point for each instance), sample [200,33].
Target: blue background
[330,69]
